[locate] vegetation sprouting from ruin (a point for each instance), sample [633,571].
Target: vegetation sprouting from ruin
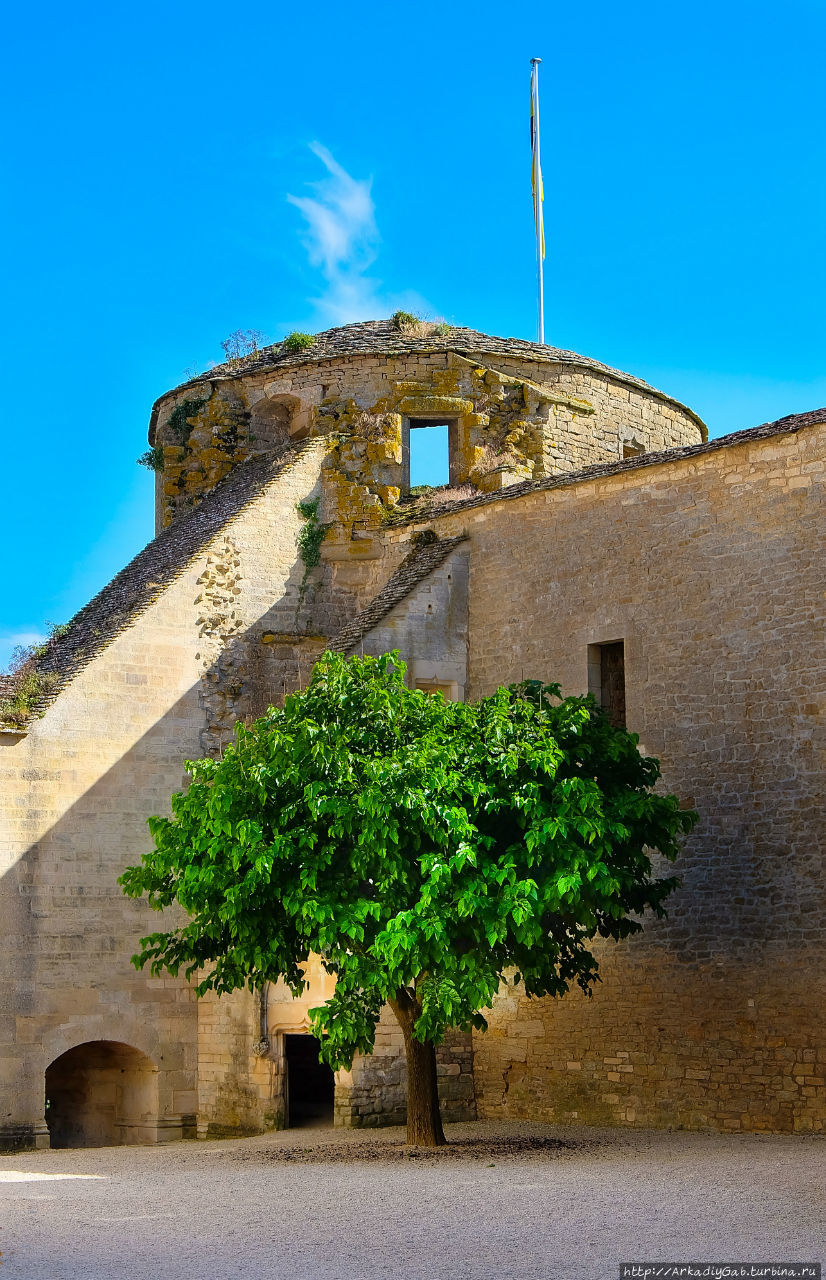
[309,539]
[297,342]
[424,538]
[311,534]
[179,427]
[153,458]
[421,499]
[30,688]
[241,344]
[179,421]
[404,321]
[29,685]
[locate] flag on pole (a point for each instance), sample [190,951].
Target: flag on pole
[538,193]
[536,168]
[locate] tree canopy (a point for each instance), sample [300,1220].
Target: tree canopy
[426,850]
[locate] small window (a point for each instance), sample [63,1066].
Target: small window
[632,448]
[426,453]
[606,679]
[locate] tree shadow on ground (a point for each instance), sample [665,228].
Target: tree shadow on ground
[485,1149]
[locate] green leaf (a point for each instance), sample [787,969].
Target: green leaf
[413,843]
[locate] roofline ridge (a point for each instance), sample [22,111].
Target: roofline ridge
[431,555]
[273,467]
[408,343]
[791,424]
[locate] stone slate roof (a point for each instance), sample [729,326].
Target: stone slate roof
[165,558]
[792,422]
[134,589]
[415,567]
[381,337]
[783,426]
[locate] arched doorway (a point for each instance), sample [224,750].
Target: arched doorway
[310,1083]
[102,1094]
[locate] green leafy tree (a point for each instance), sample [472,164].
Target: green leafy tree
[426,850]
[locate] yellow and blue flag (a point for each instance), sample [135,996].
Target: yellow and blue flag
[536,169]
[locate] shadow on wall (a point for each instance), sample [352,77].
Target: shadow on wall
[102,1094]
[121,1049]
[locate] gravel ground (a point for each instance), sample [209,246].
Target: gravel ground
[511,1201]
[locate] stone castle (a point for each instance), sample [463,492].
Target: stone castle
[587,532]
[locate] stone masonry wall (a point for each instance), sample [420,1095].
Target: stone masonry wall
[710,568]
[374,1093]
[75,792]
[430,625]
[239,1087]
[623,415]
[74,797]
[247,574]
[515,418]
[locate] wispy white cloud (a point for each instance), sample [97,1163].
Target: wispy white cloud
[341,221]
[342,239]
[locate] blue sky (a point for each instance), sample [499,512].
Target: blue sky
[179,172]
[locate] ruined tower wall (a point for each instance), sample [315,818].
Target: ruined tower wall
[626,416]
[515,418]
[512,419]
[710,569]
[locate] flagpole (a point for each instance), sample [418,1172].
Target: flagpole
[538,194]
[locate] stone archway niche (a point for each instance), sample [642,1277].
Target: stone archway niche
[279,418]
[102,1094]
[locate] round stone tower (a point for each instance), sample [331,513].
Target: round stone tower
[514,411]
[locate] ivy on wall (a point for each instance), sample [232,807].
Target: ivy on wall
[309,539]
[311,534]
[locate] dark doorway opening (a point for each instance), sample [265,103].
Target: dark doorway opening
[606,679]
[310,1083]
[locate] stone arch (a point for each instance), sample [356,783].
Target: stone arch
[101,1093]
[270,423]
[278,419]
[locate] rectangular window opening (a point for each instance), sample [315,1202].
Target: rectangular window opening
[606,679]
[427,454]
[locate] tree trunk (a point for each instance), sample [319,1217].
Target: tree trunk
[424,1121]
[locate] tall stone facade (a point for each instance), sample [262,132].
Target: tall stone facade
[584,510]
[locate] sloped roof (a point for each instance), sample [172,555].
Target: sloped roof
[422,511]
[792,422]
[381,337]
[146,576]
[415,567]
[165,558]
